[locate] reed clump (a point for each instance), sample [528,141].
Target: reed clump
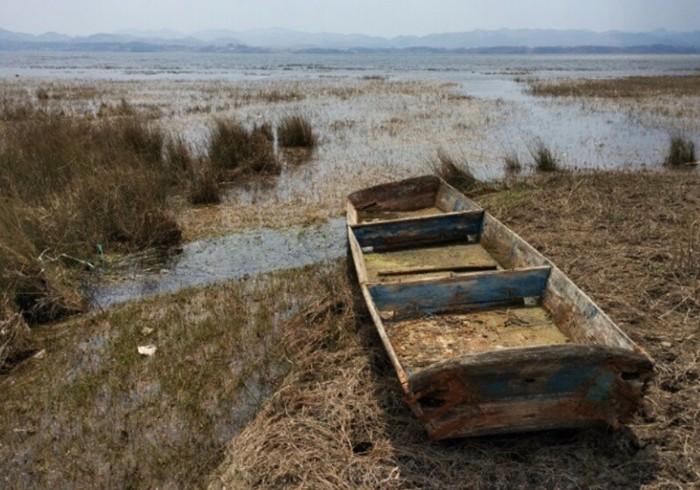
[681,151]
[68,186]
[456,173]
[545,159]
[297,132]
[235,150]
[512,164]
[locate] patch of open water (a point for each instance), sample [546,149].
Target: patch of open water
[216,260]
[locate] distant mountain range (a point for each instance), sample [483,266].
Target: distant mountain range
[277,39]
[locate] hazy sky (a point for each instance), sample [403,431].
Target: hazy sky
[379,17]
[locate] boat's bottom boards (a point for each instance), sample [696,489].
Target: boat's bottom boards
[424,341]
[415,262]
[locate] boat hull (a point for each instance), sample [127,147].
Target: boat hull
[486,335]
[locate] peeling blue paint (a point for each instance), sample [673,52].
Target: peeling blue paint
[601,388]
[441,228]
[486,289]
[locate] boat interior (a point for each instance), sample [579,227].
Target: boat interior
[457,282]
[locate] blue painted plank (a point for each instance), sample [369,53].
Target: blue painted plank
[589,380]
[431,297]
[441,228]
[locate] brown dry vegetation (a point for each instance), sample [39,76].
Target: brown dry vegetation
[297,132]
[90,412]
[72,186]
[681,151]
[338,421]
[67,185]
[627,87]
[235,150]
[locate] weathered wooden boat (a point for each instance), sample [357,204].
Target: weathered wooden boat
[486,335]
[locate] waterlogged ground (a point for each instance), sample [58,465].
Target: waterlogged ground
[378,118]
[217,260]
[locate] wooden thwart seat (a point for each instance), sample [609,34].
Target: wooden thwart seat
[455,257]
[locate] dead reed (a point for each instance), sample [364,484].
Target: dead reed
[235,150]
[71,184]
[511,164]
[454,172]
[681,151]
[544,158]
[297,132]
[627,87]
[15,343]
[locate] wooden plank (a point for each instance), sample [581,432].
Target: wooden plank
[526,360]
[450,199]
[405,195]
[417,231]
[529,389]
[358,260]
[453,257]
[372,216]
[351,213]
[431,270]
[576,313]
[459,293]
[422,342]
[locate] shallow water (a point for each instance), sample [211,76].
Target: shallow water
[379,117]
[216,260]
[232,66]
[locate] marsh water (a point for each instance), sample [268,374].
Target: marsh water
[603,137]
[214,260]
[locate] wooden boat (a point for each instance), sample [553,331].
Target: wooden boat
[486,335]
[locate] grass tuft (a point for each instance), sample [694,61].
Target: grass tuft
[511,164]
[458,174]
[204,186]
[545,159]
[297,132]
[69,185]
[681,151]
[234,149]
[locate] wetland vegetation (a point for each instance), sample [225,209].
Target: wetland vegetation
[278,380]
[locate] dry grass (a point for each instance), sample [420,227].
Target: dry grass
[339,421]
[511,164]
[15,341]
[681,151]
[204,187]
[545,159]
[454,172]
[235,150]
[627,87]
[93,413]
[68,185]
[297,132]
